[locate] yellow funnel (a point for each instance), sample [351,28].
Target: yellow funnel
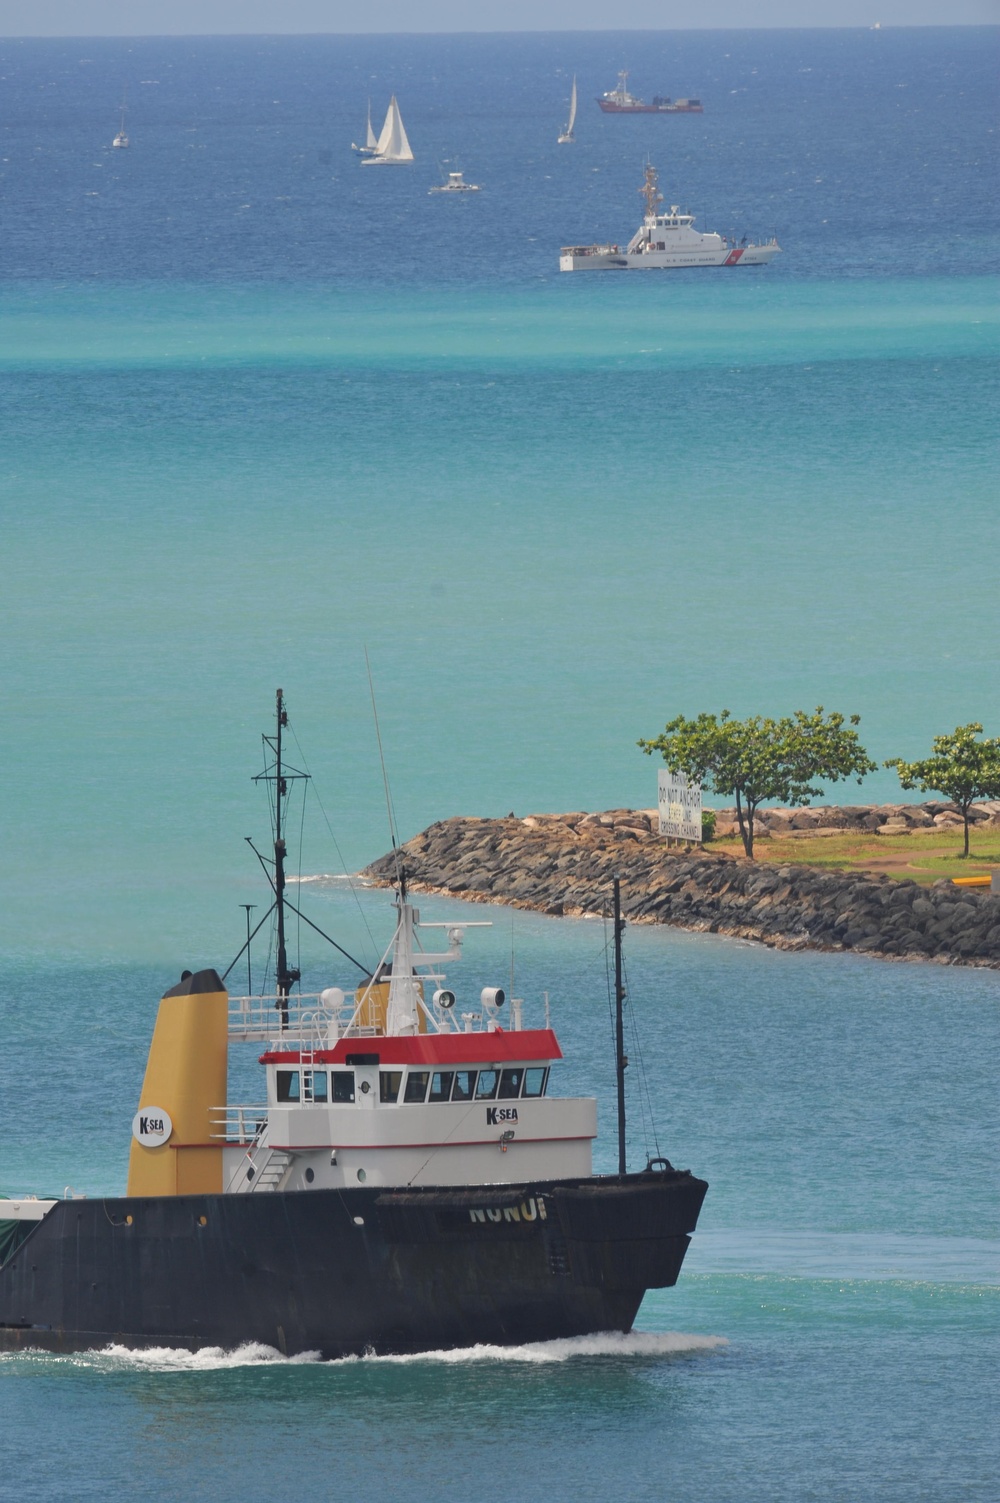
[186,1080]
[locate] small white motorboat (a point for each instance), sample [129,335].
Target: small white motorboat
[455,183]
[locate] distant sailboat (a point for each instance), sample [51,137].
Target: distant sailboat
[392,146]
[567,134]
[371,141]
[121,139]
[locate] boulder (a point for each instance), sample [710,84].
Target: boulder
[916,817]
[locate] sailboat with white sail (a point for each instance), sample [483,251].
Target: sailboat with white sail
[121,139]
[392,147]
[371,140]
[567,135]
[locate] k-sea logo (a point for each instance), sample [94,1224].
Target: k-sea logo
[151,1126]
[497,1114]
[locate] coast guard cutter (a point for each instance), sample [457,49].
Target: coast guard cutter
[667,242]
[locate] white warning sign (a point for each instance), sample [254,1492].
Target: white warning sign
[679,805]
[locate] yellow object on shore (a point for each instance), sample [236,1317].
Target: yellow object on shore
[186,1079]
[984,881]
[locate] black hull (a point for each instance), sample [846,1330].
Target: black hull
[343,1272]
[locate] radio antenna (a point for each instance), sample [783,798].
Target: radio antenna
[400,873]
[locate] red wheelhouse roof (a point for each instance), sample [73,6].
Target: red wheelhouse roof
[530,1045]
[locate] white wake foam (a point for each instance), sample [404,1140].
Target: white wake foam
[605,1344]
[163,1359]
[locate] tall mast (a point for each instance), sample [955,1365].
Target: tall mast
[280,775]
[284,976]
[621,1060]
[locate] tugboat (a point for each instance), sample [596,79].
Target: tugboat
[665,242]
[408,1183]
[620,102]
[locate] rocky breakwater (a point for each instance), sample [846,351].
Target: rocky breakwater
[860,819]
[564,864]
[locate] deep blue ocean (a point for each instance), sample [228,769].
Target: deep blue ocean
[264,409]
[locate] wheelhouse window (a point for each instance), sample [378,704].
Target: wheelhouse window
[441,1083]
[389,1082]
[320,1086]
[288,1085]
[510,1084]
[342,1084]
[535,1081]
[416,1086]
[487,1087]
[465,1085]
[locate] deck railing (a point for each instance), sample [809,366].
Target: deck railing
[310,1021]
[238,1123]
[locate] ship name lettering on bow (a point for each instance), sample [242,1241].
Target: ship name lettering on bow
[532,1209]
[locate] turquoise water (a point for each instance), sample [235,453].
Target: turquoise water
[264,412]
[546,553]
[834,1331]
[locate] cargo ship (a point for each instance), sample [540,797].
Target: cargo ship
[407,1181]
[667,241]
[620,102]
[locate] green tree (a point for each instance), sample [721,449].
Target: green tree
[961,768]
[760,758]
